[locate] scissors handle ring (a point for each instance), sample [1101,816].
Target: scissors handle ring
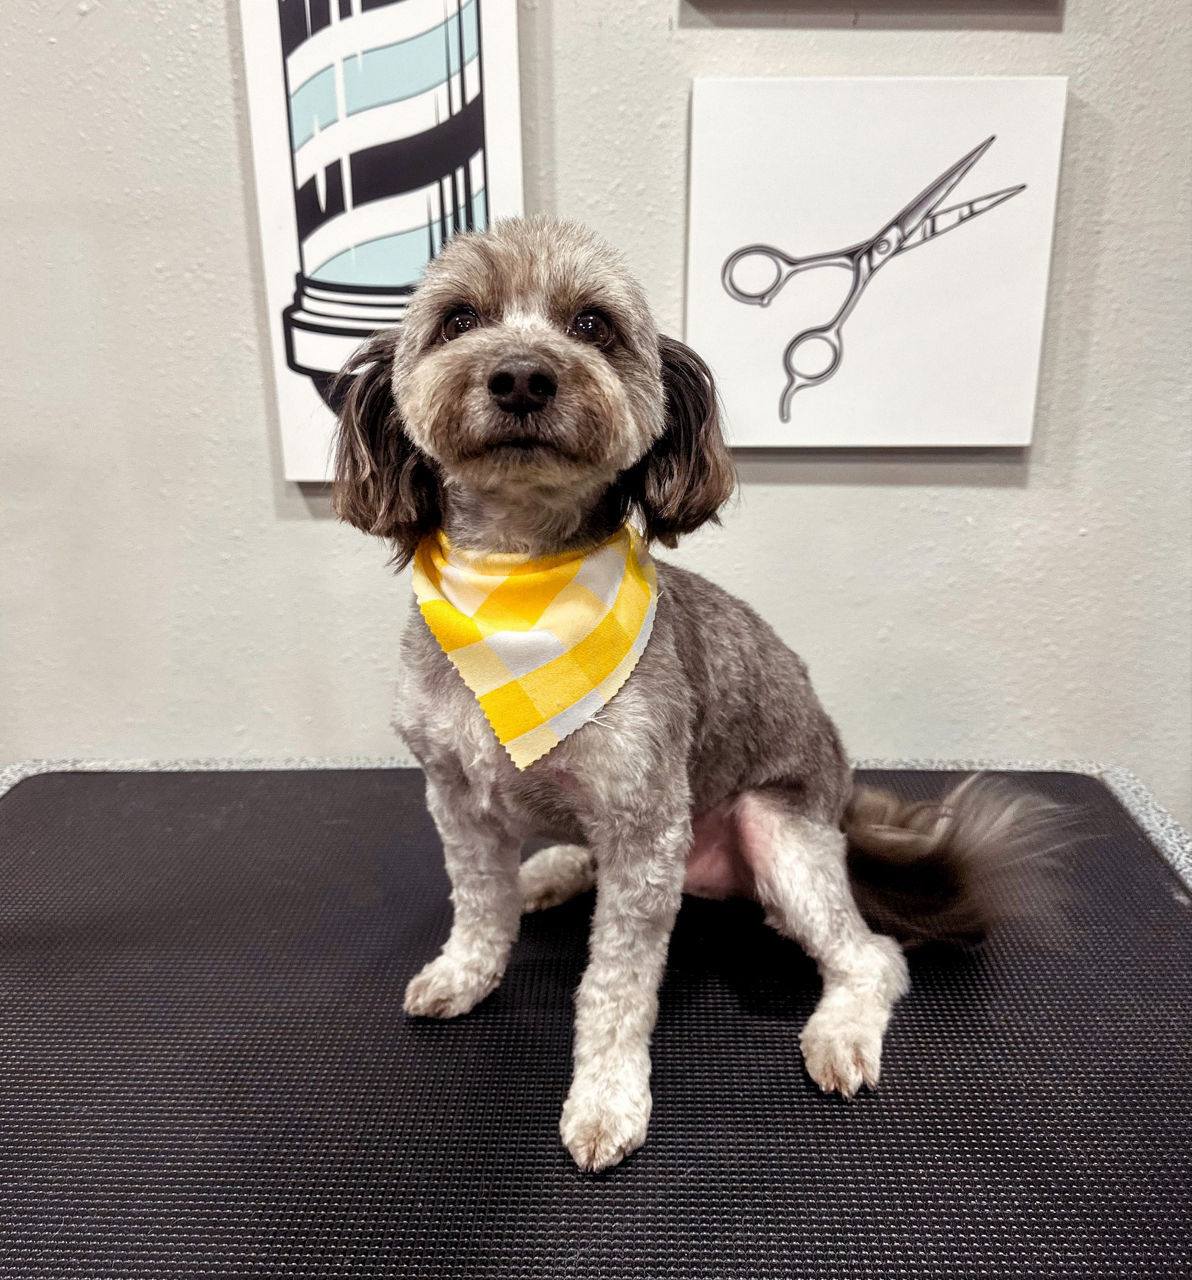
[797,381]
[779,263]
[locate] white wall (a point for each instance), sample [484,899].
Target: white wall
[164,593]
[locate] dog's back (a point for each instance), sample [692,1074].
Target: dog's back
[757,720]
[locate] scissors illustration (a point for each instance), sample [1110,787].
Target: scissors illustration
[918,223]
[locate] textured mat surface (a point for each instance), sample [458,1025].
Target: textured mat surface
[204,1070]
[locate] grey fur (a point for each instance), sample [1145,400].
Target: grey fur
[709,710]
[717,730]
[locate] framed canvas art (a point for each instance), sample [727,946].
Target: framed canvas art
[868,257]
[379,129]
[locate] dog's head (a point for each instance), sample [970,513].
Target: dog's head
[528,366]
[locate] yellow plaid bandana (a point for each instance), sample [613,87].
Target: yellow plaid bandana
[543,644]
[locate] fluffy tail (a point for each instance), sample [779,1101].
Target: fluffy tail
[948,872]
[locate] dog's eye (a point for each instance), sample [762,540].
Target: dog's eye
[591,326]
[459,322]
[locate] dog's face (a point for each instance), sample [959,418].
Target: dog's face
[528,367]
[528,356]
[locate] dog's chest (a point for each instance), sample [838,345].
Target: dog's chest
[558,795]
[440,719]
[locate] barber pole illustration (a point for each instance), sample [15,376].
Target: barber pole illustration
[380,129]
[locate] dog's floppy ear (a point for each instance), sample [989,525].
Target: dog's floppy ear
[383,483]
[688,474]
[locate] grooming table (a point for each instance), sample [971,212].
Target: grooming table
[205,1071]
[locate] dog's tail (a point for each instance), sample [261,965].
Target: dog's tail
[948,872]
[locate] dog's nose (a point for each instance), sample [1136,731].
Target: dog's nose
[522,387]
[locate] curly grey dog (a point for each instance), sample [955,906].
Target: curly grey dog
[528,404]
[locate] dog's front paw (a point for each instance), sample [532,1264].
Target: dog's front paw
[445,988]
[842,1046]
[603,1123]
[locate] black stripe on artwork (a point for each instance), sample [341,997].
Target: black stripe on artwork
[294,27]
[291,16]
[392,168]
[320,15]
[469,212]
[306,201]
[406,164]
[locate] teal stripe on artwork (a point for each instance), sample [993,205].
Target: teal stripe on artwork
[312,107]
[395,72]
[392,260]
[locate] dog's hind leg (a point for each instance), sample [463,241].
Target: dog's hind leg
[801,877]
[555,875]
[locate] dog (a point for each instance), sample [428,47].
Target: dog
[529,407]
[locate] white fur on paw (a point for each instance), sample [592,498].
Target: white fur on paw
[554,875]
[842,1046]
[601,1126]
[445,989]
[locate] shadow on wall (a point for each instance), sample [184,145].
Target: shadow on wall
[910,15]
[1007,468]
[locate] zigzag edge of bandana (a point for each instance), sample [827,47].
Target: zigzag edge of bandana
[544,645]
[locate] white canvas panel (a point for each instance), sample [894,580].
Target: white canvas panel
[940,346]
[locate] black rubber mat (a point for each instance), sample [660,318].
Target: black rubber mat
[204,1069]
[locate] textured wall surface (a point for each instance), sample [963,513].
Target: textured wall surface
[163,592]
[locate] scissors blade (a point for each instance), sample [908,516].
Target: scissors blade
[935,224]
[914,213]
